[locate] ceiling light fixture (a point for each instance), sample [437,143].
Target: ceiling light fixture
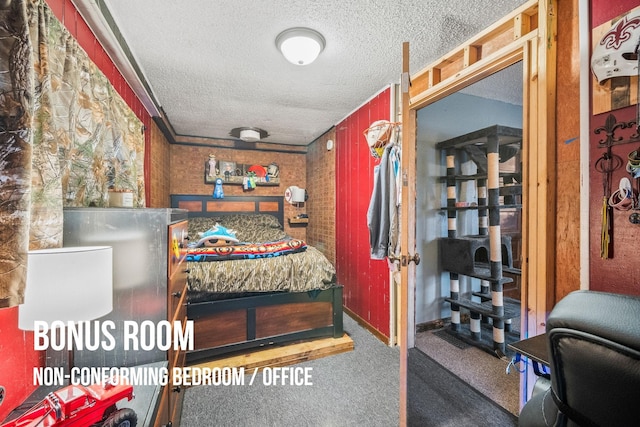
[249,134]
[300,46]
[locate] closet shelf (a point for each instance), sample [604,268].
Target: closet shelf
[466,208]
[514,176]
[504,135]
[510,310]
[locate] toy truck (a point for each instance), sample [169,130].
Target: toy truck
[80,406]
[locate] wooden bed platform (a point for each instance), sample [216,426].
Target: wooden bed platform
[281,355]
[223,327]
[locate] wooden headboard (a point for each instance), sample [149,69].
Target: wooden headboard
[199,205]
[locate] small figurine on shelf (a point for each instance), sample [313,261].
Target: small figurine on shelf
[218,193]
[249,181]
[273,170]
[213,171]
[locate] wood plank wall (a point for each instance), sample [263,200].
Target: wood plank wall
[366,281]
[567,265]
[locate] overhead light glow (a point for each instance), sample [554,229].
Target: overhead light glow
[249,134]
[300,46]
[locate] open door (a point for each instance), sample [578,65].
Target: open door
[528,35]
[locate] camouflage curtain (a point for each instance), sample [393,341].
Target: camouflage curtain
[71,137]
[16,109]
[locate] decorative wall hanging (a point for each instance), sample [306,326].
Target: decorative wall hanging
[606,165]
[609,129]
[618,89]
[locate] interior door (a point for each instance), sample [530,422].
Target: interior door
[526,34]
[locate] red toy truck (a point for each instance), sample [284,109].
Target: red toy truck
[79,406]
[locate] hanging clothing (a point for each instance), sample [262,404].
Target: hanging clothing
[383,212]
[396,199]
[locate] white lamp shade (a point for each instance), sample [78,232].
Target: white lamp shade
[300,46]
[72,284]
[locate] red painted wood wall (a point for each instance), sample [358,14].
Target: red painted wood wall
[365,281]
[17,357]
[17,360]
[620,274]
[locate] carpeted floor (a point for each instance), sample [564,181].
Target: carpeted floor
[439,398]
[358,388]
[482,371]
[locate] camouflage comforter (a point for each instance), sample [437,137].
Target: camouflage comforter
[293,272]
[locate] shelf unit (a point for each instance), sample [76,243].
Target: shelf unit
[488,254]
[298,222]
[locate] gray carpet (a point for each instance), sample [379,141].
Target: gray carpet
[475,367]
[357,388]
[439,398]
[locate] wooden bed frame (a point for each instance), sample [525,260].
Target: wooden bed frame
[248,322]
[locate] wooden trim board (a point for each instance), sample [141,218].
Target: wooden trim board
[282,355]
[366,325]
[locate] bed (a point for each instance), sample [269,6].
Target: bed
[265,289]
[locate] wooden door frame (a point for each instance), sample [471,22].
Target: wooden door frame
[527,34]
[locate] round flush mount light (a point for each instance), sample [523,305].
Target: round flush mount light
[300,46]
[249,134]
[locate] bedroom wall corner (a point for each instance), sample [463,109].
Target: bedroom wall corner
[321,187]
[159,168]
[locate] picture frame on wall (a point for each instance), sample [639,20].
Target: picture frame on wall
[227,167]
[220,167]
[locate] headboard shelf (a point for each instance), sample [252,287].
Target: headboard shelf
[205,205]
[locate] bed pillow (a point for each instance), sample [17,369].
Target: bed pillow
[254,228]
[237,221]
[199,225]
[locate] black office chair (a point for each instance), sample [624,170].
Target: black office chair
[594,345]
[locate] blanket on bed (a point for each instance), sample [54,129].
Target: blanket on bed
[267,260]
[296,272]
[245,250]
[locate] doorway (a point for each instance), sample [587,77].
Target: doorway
[494,100]
[526,35]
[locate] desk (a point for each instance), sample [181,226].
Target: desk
[535,349]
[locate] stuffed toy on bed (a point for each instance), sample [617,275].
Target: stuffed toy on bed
[217,236]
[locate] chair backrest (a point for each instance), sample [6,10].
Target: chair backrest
[594,341]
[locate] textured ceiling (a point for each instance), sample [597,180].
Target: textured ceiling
[213,65]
